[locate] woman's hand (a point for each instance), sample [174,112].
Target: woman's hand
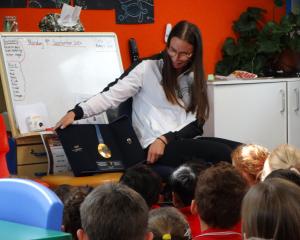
[156,150]
[66,120]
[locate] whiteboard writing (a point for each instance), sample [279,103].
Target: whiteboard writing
[17,81]
[105,45]
[63,43]
[13,50]
[35,42]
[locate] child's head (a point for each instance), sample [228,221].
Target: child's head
[143,180]
[271,210]
[168,223]
[249,161]
[218,196]
[114,211]
[63,191]
[183,182]
[282,157]
[71,216]
[287,174]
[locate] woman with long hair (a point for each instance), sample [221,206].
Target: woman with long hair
[169,102]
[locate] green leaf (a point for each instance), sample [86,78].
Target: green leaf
[259,63]
[229,47]
[247,48]
[288,20]
[223,68]
[278,3]
[247,66]
[269,27]
[297,20]
[294,44]
[269,46]
[256,13]
[247,24]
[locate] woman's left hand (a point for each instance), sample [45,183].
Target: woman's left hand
[156,150]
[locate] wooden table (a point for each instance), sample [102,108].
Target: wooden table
[93,181]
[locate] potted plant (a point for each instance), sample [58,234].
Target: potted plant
[264,48]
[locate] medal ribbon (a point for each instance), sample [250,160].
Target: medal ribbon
[98,133]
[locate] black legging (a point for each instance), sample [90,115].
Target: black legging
[208,149]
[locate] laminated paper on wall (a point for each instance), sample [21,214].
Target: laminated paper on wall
[134,12]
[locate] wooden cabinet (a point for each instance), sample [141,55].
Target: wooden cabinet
[31,156]
[255,111]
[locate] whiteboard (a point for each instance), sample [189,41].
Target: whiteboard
[56,70]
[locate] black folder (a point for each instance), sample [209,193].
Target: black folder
[80,143]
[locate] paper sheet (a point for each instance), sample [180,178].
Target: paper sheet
[69,15]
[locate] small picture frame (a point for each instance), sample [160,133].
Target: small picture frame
[293,6]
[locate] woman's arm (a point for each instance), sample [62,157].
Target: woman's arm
[157,148]
[191,130]
[116,94]
[111,97]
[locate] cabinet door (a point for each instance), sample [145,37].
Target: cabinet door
[294,113]
[249,113]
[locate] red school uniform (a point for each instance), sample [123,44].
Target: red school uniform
[193,220]
[219,234]
[154,206]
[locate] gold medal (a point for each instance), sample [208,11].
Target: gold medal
[104,151]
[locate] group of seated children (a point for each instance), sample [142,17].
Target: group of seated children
[256,197]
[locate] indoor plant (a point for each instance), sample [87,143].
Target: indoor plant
[264,48]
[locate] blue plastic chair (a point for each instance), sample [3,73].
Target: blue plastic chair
[27,202]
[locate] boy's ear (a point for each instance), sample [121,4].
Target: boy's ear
[194,208]
[149,236]
[81,235]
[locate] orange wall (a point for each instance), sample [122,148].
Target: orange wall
[214,18]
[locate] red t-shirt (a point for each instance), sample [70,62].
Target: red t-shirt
[154,206]
[193,220]
[219,234]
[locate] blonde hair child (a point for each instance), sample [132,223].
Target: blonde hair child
[284,156]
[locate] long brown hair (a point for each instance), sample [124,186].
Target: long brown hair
[271,210]
[190,33]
